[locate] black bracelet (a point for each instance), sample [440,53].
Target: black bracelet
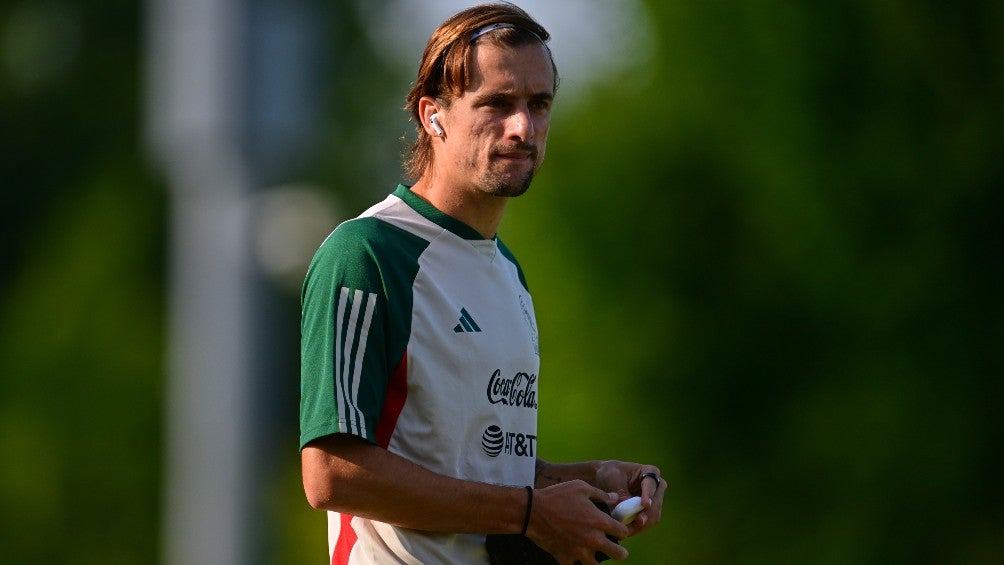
[529,506]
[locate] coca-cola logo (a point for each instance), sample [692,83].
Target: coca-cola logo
[517,391]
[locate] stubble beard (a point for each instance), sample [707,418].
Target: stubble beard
[499,183]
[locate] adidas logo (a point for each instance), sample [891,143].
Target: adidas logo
[467,323]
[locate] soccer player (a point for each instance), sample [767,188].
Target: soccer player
[419,377]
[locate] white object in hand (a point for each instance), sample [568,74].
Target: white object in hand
[627,510]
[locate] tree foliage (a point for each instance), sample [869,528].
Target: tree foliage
[773,268]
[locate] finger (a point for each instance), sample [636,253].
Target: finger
[639,525]
[617,529]
[652,515]
[650,482]
[608,499]
[653,508]
[612,550]
[659,497]
[645,520]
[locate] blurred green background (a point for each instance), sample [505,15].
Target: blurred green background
[767,257]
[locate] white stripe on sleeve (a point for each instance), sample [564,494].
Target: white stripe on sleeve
[349,370]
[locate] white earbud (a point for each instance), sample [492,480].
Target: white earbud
[434,122]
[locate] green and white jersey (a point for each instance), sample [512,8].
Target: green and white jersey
[419,335]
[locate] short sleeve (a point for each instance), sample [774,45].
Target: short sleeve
[355,321]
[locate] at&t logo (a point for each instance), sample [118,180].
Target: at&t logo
[495,442]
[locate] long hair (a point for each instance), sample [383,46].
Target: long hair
[444,71]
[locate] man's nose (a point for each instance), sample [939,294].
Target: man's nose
[520,124]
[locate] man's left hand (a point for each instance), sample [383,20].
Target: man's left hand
[634,479]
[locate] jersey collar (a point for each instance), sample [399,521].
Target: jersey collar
[433,214]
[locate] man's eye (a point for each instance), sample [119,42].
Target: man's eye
[540,105]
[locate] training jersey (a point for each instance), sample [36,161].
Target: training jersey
[419,335]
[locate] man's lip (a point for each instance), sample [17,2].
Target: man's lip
[517,155]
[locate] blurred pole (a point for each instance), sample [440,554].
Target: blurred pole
[228,106]
[194,103]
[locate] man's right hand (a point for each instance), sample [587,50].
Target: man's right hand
[566,522]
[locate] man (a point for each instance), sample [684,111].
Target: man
[419,342]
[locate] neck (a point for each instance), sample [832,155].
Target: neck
[481,211]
